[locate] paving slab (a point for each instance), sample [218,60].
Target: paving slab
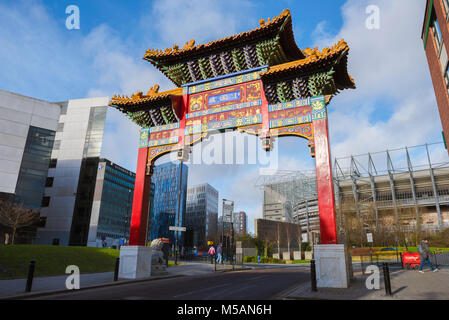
[405,285]
[16,287]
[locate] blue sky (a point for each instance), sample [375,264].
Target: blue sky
[393,105]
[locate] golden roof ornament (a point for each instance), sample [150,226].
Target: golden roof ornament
[189,44]
[153,90]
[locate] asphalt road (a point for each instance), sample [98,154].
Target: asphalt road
[256,284]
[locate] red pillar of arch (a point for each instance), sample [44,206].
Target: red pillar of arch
[325,186]
[139,218]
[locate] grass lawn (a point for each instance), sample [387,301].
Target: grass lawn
[301,261]
[53,260]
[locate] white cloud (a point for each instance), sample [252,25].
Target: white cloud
[179,21]
[394,103]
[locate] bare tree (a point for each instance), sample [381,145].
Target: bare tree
[287,232]
[16,216]
[299,236]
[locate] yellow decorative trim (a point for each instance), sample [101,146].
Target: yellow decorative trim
[312,55]
[291,134]
[190,46]
[152,94]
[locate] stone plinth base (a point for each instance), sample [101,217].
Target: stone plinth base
[297,255]
[286,255]
[331,262]
[308,255]
[135,262]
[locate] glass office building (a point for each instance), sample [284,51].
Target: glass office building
[202,213]
[168,184]
[112,204]
[32,178]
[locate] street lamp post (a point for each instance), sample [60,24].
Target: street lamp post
[179,211]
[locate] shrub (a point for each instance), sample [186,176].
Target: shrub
[305,246]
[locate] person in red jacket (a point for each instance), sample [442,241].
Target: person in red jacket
[211,253]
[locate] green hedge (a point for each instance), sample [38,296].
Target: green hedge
[253,259]
[53,260]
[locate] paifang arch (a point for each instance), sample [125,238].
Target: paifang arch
[259,82]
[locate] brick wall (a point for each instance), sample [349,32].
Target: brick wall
[435,67]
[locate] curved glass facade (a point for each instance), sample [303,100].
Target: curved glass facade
[166,178]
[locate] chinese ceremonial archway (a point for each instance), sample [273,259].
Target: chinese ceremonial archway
[257,82]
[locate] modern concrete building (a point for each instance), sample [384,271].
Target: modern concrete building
[305,213]
[169,183]
[202,213]
[27,134]
[112,204]
[67,202]
[276,206]
[435,36]
[50,161]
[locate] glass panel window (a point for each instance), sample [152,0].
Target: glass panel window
[64,108]
[45,202]
[60,127]
[53,163]
[446,76]
[57,145]
[437,33]
[34,167]
[49,182]
[446,6]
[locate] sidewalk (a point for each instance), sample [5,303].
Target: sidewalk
[16,287]
[405,285]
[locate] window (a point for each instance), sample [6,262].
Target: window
[437,33]
[60,127]
[446,76]
[45,202]
[53,163]
[57,145]
[64,108]
[49,182]
[446,6]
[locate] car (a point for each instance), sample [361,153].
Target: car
[388,249]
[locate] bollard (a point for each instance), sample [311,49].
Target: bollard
[313,274]
[361,264]
[387,279]
[30,276]
[402,261]
[117,264]
[215,263]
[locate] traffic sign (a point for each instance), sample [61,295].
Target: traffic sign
[172,228]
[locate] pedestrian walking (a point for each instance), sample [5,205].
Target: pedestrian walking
[424,253]
[219,253]
[211,253]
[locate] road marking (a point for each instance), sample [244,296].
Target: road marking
[205,289]
[259,277]
[228,291]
